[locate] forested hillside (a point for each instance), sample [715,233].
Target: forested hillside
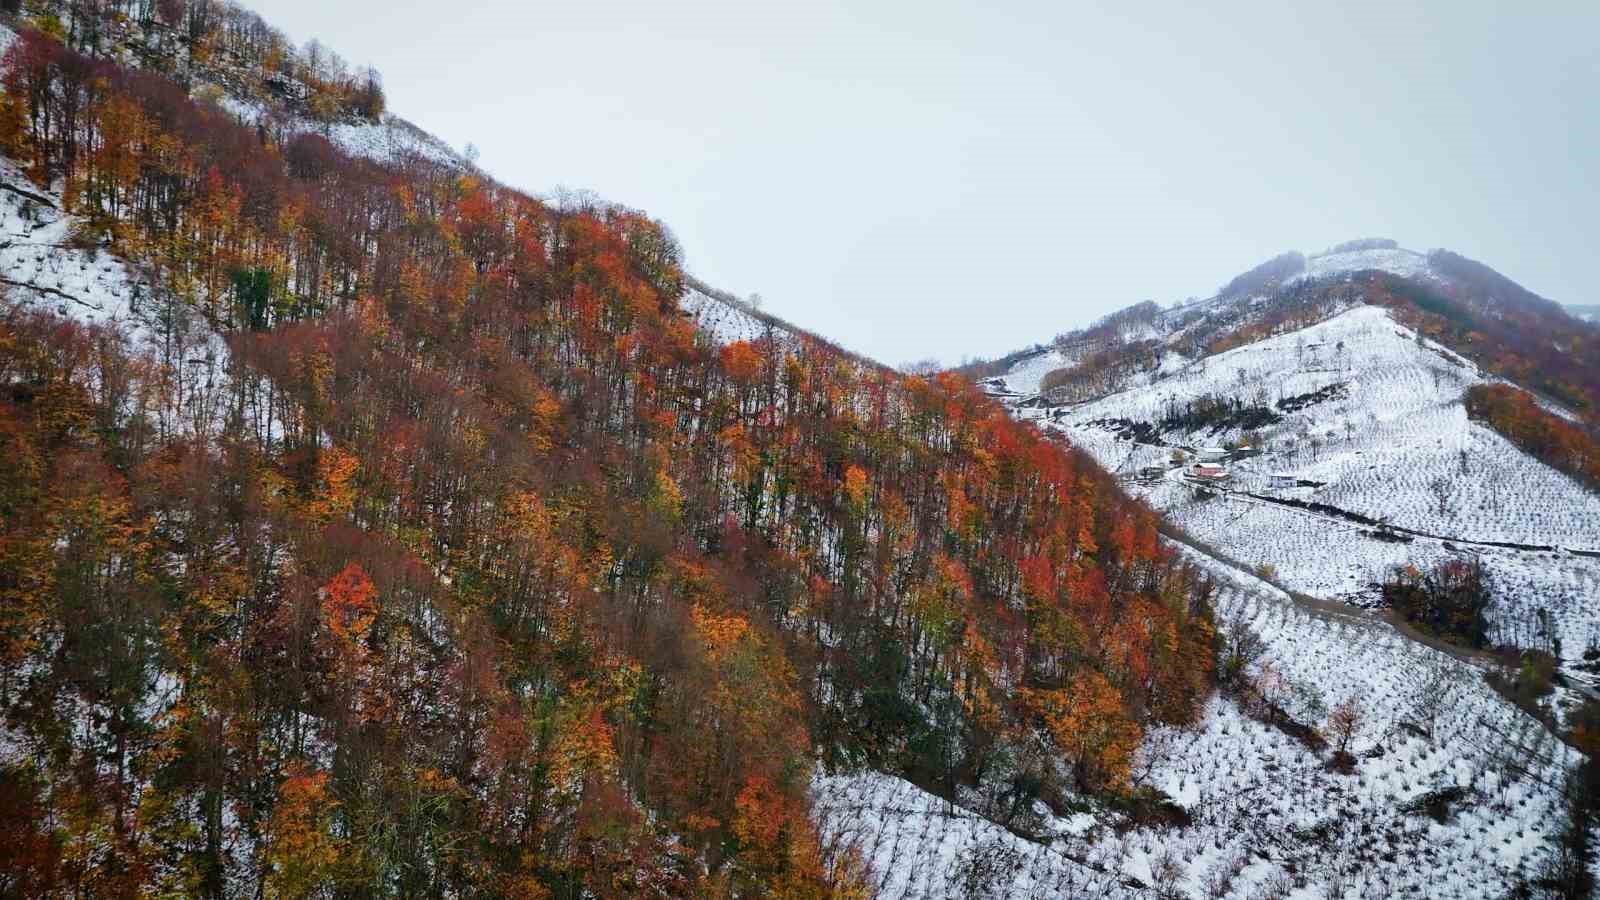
[472,567]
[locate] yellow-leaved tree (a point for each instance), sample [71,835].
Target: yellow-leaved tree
[302,851]
[1091,726]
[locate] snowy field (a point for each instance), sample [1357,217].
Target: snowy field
[1025,376]
[916,844]
[1270,817]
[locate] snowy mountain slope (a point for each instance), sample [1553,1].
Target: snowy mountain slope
[1292,291]
[724,319]
[1392,443]
[44,264]
[1350,410]
[1269,817]
[1395,260]
[722,316]
[390,140]
[1025,376]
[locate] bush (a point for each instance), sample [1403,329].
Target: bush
[1438,805]
[1535,675]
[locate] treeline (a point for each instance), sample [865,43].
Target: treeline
[480,571]
[1101,372]
[1121,326]
[1292,308]
[1511,332]
[1218,412]
[1563,445]
[779,326]
[217,41]
[1266,277]
[979,369]
[1358,245]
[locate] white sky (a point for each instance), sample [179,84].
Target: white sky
[948,179]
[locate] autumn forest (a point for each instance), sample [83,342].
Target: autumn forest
[469,566]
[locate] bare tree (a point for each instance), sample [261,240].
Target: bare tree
[1344,723]
[1167,872]
[1241,646]
[1270,685]
[929,366]
[1442,489]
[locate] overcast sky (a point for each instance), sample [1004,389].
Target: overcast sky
[918,178]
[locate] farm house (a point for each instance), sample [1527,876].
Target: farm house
[1283,480]
[1206,472]
[1213,454]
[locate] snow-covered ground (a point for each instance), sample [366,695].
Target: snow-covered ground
[722,321]
[1025,376]
[1270,817]
[41,265]
[391,140]
[46,264]
[916,844]
[1405,263]
[1392,443]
